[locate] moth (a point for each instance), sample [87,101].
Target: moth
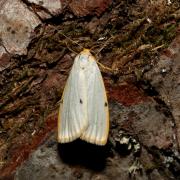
[84,109]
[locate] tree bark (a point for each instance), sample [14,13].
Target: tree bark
[138,40]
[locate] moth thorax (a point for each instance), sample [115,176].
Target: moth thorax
[83,61]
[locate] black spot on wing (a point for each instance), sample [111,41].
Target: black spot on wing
[81,102]
[105,104]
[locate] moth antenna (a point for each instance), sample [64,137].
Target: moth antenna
[70,40]
[104,45]
[104,67]
[71,49]
[92,48]
[96,54]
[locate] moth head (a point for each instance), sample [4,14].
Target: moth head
[85,57]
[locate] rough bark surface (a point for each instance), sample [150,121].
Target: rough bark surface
[138,40]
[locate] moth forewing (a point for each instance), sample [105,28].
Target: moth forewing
[98,113]
[72,119]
